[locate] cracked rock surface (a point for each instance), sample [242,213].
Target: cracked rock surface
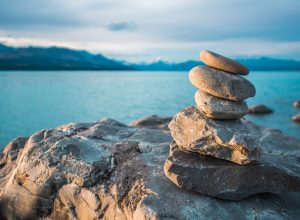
[234,140]
[107,170]
[276,173]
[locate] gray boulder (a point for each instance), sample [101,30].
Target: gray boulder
[107,170]
[234,140]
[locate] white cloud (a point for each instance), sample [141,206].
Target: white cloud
[173,51]
[173,30]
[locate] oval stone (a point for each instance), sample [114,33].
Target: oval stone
[223,63]
[221,84]
[218,108]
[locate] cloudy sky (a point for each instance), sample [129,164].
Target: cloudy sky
[146,30]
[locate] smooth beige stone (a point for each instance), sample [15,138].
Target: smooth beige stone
[221,84]
[214,107]
[223,63]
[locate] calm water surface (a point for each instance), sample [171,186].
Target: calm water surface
[30,101]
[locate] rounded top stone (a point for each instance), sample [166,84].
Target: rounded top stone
[223,63]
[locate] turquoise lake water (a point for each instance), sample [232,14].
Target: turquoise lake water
[30,101]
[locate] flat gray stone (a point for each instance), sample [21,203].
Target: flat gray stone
[223,63]
[276,173]
[234,140]
[221,84]
[218,108]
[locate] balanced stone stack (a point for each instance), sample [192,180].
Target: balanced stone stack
[216,151]
[221,91]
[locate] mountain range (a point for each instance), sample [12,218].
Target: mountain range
[57,58]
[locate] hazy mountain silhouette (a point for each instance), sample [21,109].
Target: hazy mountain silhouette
[56,58]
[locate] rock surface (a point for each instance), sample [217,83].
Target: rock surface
[234,140]
[276,173]
[221,84]
[260,109]
[223,63]
[214,107]
[296,104]
[107,170]
[296,118]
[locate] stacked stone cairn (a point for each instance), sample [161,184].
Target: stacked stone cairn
[215,150]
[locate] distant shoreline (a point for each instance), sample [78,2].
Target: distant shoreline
[64,59]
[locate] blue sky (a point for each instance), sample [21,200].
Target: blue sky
[138,30]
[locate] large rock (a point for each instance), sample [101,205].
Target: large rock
[221,84]
[218,108]
[234,140]
[106,170]
[260,109]
[223,63]
[277,173]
